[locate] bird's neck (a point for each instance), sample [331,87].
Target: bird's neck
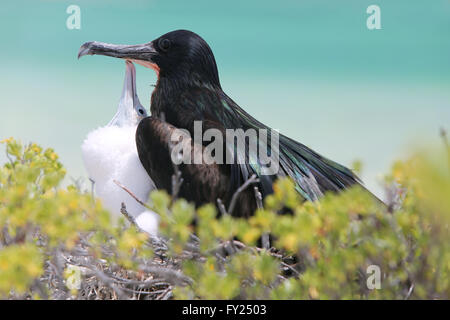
[164,95]
[168,95]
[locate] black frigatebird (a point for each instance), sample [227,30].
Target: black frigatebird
[187,90]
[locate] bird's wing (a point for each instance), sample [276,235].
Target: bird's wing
[207,106]
[201,182]
[312,173]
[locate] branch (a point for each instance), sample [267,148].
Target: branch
[92,188]
[410,291]
[265,238]
[258,197]
[166,294]
[221,207]
[130,218]
[132,195]
[109,282]
[170,275]
[252,179]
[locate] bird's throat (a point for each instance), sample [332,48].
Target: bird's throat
[162,98]
[149,65]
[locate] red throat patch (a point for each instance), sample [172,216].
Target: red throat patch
[149,65]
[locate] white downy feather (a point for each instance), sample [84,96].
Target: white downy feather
[109,153]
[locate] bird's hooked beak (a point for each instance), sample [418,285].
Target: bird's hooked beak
[130,110]
[129,90]
[139,53]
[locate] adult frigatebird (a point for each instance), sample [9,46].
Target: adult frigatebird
[188,90]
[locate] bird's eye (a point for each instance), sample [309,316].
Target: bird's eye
[164,44]
[141,111]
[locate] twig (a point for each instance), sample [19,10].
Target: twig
[59,269]
[284,264]
[166,294]
[123,210]
[410,291]
[221,207]
[142,284]
[252,179]
[92,188]
[109,282]
[258,197]
[224,246]
[141,292]
[170,275]
[130,218]
[265,238]
[132,195]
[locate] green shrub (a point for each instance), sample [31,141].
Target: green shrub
[60,243]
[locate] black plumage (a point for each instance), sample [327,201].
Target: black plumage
[188,89]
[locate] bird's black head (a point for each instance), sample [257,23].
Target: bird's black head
[179,56]
[183,53]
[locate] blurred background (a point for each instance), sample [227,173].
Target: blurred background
[309,68]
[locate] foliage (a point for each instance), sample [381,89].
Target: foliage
[59,243]
[41,223]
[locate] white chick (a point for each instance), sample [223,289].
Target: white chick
[109,153]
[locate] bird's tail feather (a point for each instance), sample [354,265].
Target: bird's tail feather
[312,173]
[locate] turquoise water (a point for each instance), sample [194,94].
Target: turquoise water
[311,69]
